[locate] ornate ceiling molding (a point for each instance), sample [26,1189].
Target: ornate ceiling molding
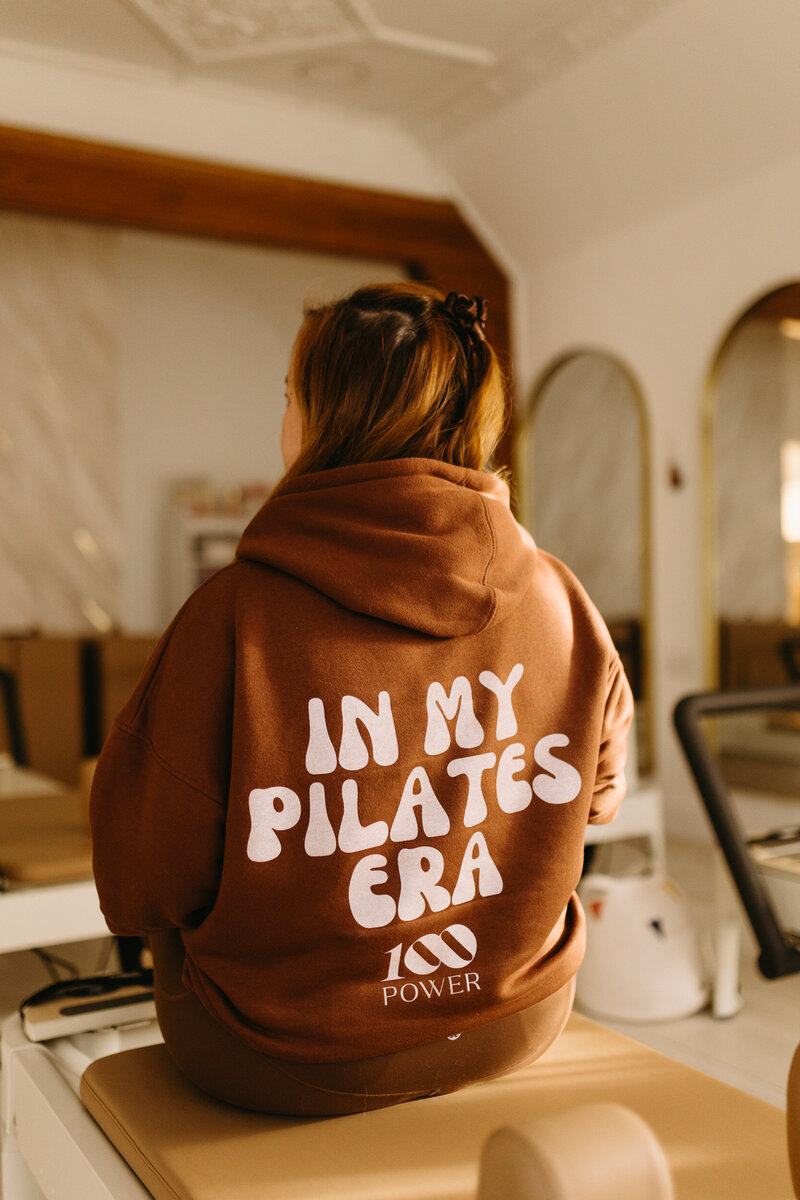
[408,63]
[212,31]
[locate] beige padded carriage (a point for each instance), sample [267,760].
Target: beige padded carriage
[721,1144]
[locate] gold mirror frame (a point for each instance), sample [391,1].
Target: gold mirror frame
[766,303]
[523,450]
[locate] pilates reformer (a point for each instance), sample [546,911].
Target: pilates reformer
[104,1115]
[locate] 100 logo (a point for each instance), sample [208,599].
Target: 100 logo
[455,947]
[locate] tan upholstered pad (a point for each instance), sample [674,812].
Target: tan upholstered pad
[44,839]
[720,1142]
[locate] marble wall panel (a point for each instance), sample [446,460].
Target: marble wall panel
[60,528]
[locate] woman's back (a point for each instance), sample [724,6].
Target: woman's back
[415,750]
[358,771]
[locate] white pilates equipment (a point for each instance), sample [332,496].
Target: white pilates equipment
[22,781]
[49,1145]
[50,915]
[643,961]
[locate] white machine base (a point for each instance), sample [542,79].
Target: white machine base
[43,1120]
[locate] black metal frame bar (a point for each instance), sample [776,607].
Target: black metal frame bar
[778,955]
[789,650]
[10,699]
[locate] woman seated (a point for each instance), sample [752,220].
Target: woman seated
[347,799]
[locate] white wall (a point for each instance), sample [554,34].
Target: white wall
[661,295]
[204,335]
[649,196]
[694,99]
[134,108]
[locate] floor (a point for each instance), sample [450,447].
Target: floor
[751,1051]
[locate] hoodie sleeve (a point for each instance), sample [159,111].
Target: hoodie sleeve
[160,790]
[610,783]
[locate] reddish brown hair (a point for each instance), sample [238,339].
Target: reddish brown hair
[387,373]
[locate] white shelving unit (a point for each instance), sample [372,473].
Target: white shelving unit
[197,546]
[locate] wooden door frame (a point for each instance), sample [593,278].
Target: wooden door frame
[95,182]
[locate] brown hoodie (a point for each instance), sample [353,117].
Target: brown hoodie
[358,769]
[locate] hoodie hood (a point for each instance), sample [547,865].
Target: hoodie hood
[414,541]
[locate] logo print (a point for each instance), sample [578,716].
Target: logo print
[455,947]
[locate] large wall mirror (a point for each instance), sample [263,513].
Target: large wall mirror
[586,500]
[752,445]
[147,309]
[143,393]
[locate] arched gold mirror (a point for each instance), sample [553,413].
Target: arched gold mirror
[752,451]
[586,500]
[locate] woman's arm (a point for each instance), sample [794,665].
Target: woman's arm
[160,790]
[610,784]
